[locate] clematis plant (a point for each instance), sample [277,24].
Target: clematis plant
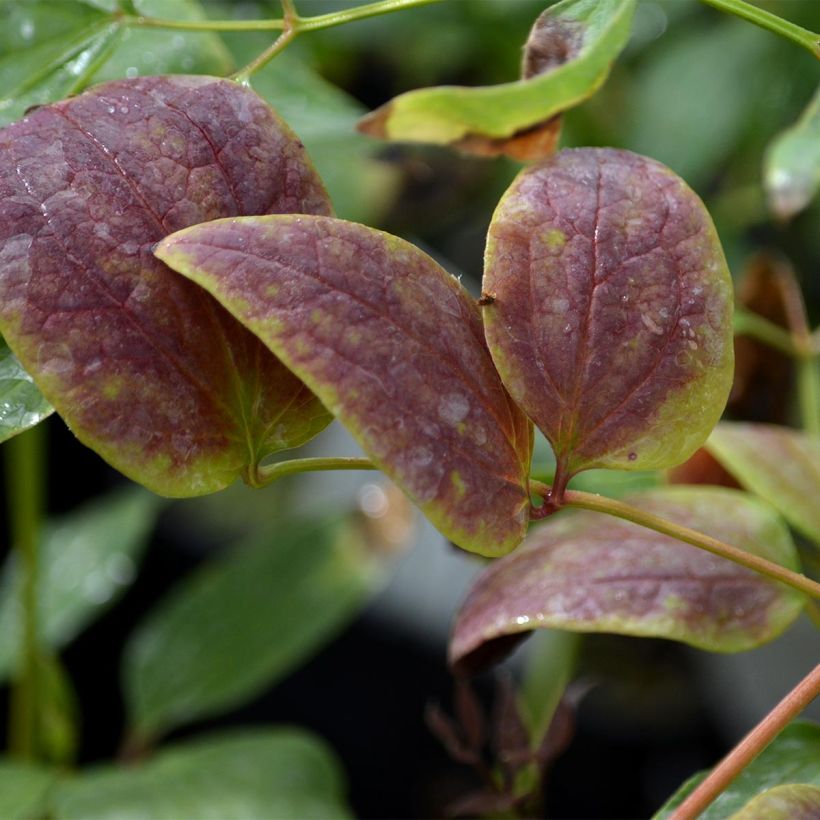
[173,282]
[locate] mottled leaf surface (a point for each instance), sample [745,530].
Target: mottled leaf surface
[88,559]
[777,463]
[568,57]
[22,405]
[611,315]
[791,172]
[796,801]
[244,622]
[592,573]
[393,346]
[267,773]
[145,367]
[793,757]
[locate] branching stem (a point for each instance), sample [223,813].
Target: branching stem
[598,503]
[765,19]
[750,747]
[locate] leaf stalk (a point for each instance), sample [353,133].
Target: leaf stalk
[598,503]
[264,475]
[750,747]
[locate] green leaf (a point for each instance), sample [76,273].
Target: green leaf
[587,572]
[88,559]
[793,757]
[393,346]
[267,773]
[610,320]
[573,45]
[791,802]
[245,621]
[144,367]
[23,790]
[50,48]
[22,405]
[778,464]
[791,172]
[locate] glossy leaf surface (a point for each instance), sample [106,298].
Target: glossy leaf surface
[588,572]
[569,56]
[792,166]
[88,559]
[268,773]
[778,464]
[52,48]
[22,405]
[793,757]
[145,368]
[244,622]
[393,346]
[611,316]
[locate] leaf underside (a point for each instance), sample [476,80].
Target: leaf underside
[567,58]
[22,405]
[146,368]
[611,315]
[592,573]
[393,346]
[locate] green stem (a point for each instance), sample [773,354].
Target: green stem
[808,393]
[765,19]
[24,480]
[598,503]
[337,18]
[751,324]
[272,472]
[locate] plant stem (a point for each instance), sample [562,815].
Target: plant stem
[808,392]
[24,479]
[272,472]
[598,503]
[765,19]
[751,324]
[750,747]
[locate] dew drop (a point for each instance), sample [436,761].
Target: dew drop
[27,29]
[131,72]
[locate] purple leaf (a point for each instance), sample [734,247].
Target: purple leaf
[392,345]
[611,318]
[588,572]
[146,368]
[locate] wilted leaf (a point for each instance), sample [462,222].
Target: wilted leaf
[568,57]
[593,573]
[270,773]
[21,404]
[244,622]
[88,559]
[793,757]
[392,344]
[611,319]
[792,165]
[23,790]
[778,464]
[146,368]
[47,47]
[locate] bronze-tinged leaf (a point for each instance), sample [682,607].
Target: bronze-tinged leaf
[587,572]
[392,345]
[145,367]
[611,324]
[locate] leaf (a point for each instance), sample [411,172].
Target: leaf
[88,559]
[793,757]
[21,404]
[244,622]
[23,790]
[145,368]
[591,573]
[568,58]
[51,48]
[776,463]
[791,171]
[392,345]
[270,773]
[797,801]
[611,319]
